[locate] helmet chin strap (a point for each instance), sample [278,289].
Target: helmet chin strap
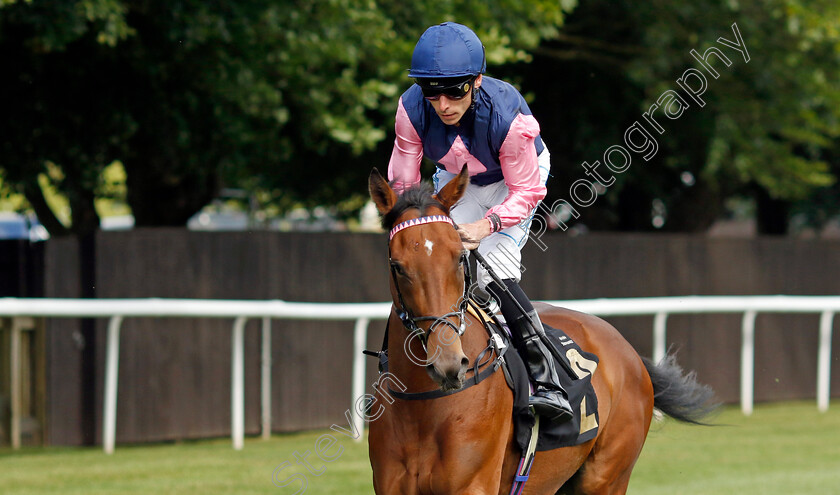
[473,91]
[483,64]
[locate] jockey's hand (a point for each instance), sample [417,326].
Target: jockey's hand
[473,233]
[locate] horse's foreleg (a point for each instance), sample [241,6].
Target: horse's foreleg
[392,481]
[613,486]
[478,480]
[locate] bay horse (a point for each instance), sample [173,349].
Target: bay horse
[463,443]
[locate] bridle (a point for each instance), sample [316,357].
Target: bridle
[409,321]
[484,365]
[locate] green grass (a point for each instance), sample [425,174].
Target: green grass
[785,448]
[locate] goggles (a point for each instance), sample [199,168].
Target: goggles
[454,90]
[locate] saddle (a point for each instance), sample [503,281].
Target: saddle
[575,373]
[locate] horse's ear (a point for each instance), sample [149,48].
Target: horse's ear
[454,189]
[380,192]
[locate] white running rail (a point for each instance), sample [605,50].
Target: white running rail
[660,307]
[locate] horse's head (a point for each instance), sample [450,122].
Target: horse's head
[428,282]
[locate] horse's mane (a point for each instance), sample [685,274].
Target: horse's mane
[419,196]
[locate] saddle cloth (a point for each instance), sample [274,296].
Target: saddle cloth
[584,423]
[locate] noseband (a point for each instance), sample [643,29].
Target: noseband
[403,312]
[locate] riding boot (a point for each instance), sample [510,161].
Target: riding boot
[549,398]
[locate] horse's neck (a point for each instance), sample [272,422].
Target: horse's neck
[475,336]
[435,429]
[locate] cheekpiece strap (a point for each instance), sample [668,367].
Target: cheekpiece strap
[419,221]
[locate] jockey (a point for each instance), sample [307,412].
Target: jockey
[455,116]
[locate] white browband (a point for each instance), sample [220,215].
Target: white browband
[419,221]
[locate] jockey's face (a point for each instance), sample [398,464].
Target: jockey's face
[451,111]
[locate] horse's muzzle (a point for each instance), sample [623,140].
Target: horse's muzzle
[449,376]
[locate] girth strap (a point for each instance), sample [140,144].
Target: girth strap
[523,471]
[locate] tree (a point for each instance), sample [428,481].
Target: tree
[50,106]
[766,128]
[293,100]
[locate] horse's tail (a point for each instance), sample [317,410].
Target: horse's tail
[679,394]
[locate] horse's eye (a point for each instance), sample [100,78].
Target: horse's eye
[398,269]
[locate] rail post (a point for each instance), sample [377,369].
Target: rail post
[112,369]
[15,386]
[747,361]
[824,361]
[359,341]
[237,399]
[659,336]
[265,382]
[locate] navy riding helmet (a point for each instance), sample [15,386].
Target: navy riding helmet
[448,50]
[447,55]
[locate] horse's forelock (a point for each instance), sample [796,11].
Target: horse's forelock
[419,196]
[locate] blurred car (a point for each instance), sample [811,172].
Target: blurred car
[17,226]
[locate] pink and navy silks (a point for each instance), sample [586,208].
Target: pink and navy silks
[498,140]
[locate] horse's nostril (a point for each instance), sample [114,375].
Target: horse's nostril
[465,361]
